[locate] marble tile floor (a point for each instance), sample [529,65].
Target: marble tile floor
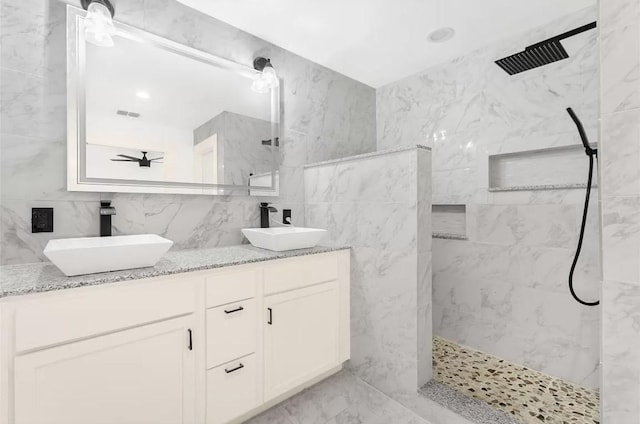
[340,399]
[528,395]
[476,387]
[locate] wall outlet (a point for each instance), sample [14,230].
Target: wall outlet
[286,216]
[42,220]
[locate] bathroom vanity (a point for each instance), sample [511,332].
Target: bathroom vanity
[206,336]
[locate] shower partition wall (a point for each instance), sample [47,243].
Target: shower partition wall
[619,153]
[380,205]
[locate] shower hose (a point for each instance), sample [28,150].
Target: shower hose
[591,154]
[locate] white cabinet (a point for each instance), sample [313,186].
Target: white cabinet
[205,347]
[301,336]
[140,376]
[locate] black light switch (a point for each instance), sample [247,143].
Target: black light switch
[42,220]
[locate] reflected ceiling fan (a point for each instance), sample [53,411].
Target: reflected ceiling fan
[143,161]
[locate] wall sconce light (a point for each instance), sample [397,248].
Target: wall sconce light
[99,27]
[267,78]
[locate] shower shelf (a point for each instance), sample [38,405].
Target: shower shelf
[554,168]
[542,187]
[448,236]
[449,221]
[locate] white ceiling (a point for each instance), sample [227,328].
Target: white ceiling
[381,41]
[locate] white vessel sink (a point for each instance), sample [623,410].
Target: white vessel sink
[284,238]
[88,255]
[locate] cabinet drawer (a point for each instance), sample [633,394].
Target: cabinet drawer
[230,287]
[300,272]
[232,390]
[73,315]
[232,332]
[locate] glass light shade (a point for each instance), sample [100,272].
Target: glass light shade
[259,84]
[99,26]
[265,80]
[270,77]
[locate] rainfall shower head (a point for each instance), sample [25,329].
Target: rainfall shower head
[540,54]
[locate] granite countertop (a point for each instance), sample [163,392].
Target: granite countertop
[44,276]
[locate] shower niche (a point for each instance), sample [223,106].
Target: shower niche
[449,221]
[543,169]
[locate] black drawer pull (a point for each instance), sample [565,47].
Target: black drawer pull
[190,339]
[238,309]
[270,321]
[239,367]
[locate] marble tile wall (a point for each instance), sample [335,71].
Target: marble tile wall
[620,203]
[239,144]
[504,290]
[381,206]
[325,115]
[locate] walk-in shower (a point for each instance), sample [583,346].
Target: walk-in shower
[516,251]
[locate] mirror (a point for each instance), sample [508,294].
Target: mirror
[149,115]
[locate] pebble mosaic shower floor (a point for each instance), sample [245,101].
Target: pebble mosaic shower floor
[528,395]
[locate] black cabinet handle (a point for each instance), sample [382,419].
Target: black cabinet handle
[190,340]
[270,321]
[239,367]
[238,309]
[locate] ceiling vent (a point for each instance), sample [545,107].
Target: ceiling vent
[127,113]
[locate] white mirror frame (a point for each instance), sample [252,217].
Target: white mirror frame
[76,118]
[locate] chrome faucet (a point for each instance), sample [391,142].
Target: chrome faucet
[106,211]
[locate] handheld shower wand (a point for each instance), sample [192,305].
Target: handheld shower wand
[591,153]
[583,135]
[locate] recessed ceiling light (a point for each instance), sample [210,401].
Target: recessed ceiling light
[442,34]
[143,95]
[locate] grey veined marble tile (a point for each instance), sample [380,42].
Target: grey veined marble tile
[621,352]
[620,67]
[340,399]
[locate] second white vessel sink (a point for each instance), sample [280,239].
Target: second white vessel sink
[284,238]
[89,255]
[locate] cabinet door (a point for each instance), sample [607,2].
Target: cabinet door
[301,336]
[140,376]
